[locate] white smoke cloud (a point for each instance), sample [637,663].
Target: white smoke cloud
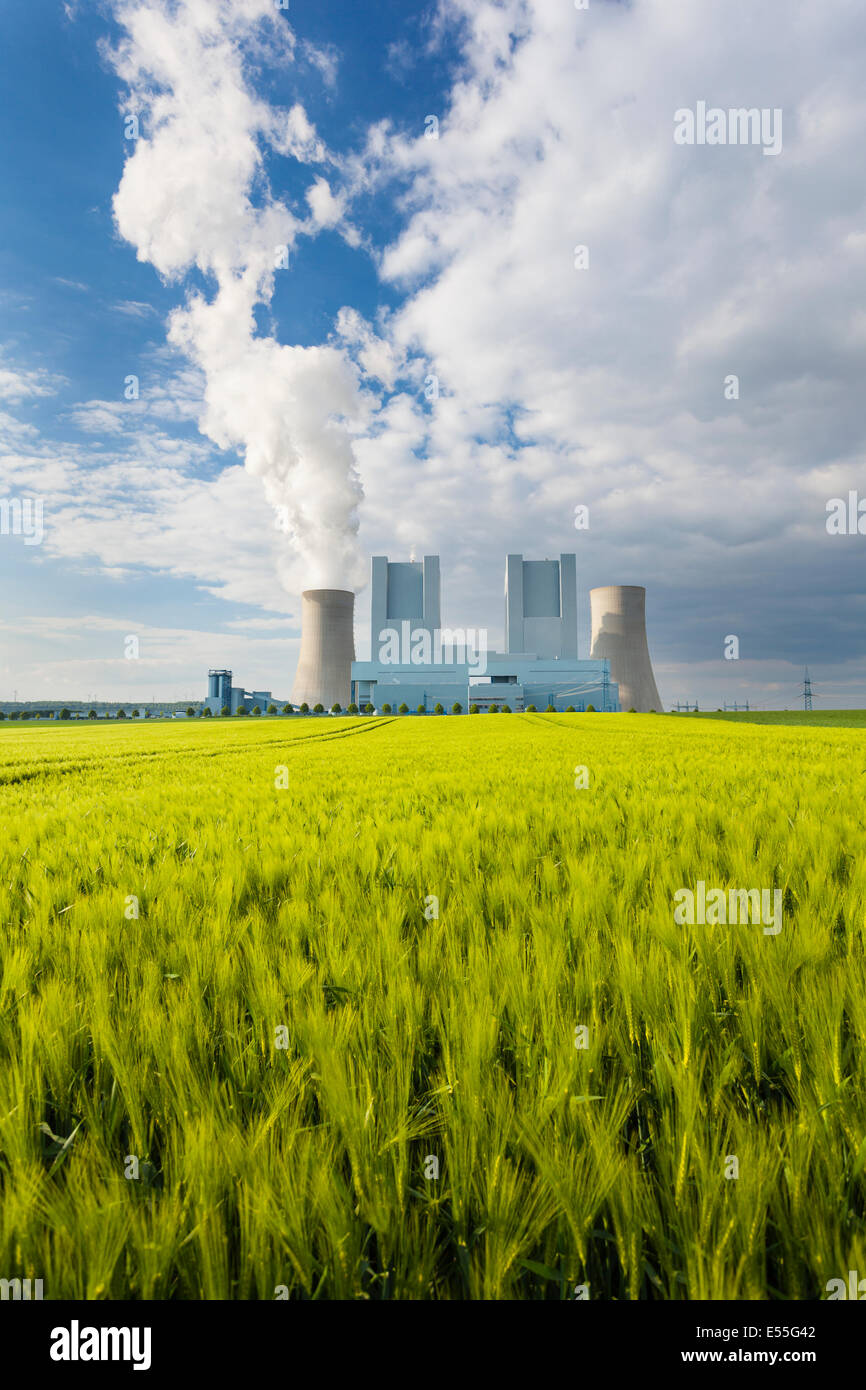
[186,201]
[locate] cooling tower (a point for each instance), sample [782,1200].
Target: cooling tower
[327,648]
[619,633]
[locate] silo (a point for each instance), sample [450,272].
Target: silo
[219,687]
[327,648]
[619,633]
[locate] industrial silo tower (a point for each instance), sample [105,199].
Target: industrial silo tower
[327,648]
[619,633]
[219,689]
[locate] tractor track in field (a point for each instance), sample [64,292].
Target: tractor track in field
[548,723]
[536,718]
[65,769]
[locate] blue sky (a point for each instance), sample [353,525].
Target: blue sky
[194,515]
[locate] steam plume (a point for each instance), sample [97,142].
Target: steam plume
[184,202]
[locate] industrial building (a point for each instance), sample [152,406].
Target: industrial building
[541,606]
[405,592]
[221,694]
[418,663]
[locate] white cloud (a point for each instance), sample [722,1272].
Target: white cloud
[400,59]
[104,417]
[134,309]
[325,58]
[176,396]
[293,134]
[13,431]
[326,207]
[261,624]
[24,384]
[374,353]
[149,501]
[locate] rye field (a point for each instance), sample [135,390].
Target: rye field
[397,1008]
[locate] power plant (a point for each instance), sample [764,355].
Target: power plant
[619,636]
[327,648]
[417,662]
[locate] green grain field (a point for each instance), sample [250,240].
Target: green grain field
[261,979]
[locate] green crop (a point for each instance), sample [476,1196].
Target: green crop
[263,980]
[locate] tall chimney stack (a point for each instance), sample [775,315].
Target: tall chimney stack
[619,633]
[327,648]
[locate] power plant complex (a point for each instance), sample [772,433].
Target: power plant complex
[417,662]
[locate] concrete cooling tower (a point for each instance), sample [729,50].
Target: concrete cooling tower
[327,648]
[619,633]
